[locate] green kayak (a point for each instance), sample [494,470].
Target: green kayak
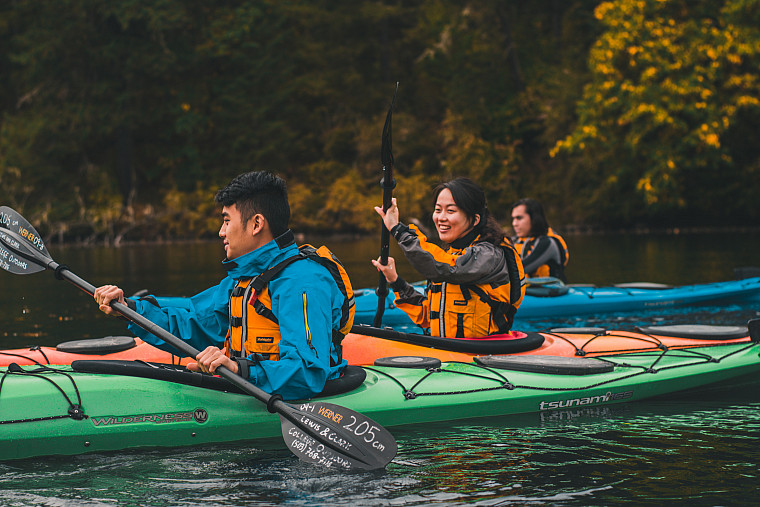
[78,409]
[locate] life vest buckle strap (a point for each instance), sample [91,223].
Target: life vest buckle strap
[264,311]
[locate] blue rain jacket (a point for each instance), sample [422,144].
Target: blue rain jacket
[203,320]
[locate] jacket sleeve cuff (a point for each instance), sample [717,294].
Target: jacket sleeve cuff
[399,284]
[398,230]
[129,304]
[132,304]
[244,366]
[405,292]
[151,299]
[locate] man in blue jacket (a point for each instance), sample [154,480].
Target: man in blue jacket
[283,336]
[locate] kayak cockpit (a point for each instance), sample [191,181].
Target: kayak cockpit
[351,378]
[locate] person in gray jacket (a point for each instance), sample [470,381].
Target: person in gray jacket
[475,285]
[543,251]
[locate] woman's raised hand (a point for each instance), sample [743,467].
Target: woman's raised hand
[390,217]
[389,270]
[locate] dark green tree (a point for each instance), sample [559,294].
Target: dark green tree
[664,130]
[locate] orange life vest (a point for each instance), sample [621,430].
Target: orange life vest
[254,329]
[467,311]
[524,247]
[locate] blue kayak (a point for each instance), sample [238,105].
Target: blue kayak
[548,298]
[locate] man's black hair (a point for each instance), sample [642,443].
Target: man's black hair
[258,192]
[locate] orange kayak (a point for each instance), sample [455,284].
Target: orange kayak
[361,349]
[109,347]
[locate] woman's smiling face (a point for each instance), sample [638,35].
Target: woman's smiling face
[450,221]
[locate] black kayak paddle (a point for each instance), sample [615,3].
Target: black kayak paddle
[322,433]
[388,184]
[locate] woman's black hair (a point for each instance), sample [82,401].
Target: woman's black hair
[538,224]
[258,192]
[471,199]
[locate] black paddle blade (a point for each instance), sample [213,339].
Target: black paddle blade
[10,219]
[20,244]
[11,261]
[386,146]
[336,437]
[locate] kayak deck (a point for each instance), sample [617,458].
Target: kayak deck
[361,349]
[51,411]
[111,347]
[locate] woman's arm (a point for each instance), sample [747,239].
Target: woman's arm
[479,263]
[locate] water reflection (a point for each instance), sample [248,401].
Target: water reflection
[698,447]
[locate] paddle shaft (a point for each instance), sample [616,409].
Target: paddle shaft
[388,184]
[382,283]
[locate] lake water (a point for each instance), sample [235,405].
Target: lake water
[698,447]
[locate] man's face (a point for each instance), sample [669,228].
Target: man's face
[238,239]
[521,221]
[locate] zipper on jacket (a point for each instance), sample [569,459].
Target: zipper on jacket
[306,325]
[442,312]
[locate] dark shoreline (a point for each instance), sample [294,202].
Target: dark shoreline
[342,236]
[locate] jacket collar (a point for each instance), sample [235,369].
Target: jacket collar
[465,240]
[264,257]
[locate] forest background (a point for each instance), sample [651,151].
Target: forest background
[120,118]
